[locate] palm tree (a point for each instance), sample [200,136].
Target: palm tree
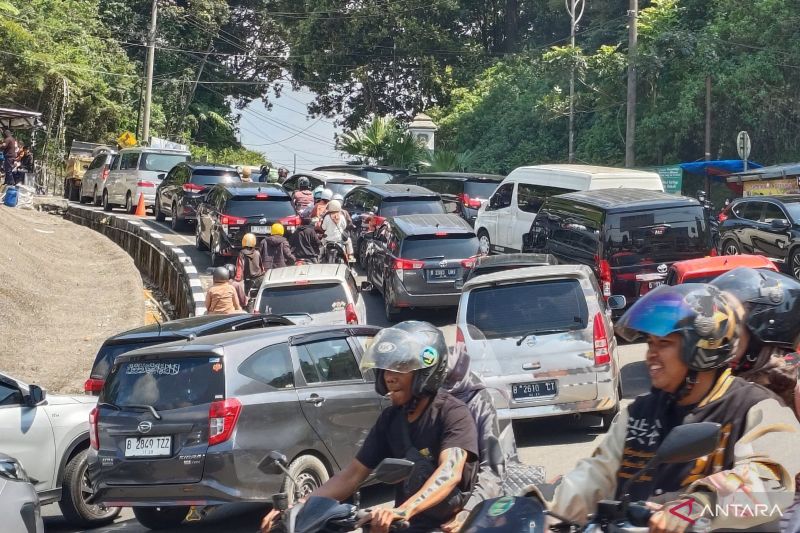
[447,161]
[382,141]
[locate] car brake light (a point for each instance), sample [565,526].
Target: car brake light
[468,263]
[141,183]
[460,343]
[104,175]
[441,234]
[292,220]
[94,437]
[222,417]
[601,354]
[473,203]
[93,386]
[350,313]
[193,187]
[407,264]
[228,220]
[605,276]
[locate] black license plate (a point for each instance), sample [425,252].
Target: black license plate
[442,273]
[536,389]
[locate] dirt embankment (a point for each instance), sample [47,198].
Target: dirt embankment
[64,289]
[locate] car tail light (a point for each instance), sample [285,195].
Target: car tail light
[94,436]
[222,417]
[292,220]
[228,220]
[193,187]
[350,313]
[605,276]
[724,214]
[262,196]
[142,183]
[407,264]
[601,354]
[441,234]
[104,175]
[460,342]
[473,203]
[468,262]
[93,386]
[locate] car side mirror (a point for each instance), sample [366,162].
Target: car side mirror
[366,286]
[161,176]
[36,396]
[392,471]
[779,223]
[617,302]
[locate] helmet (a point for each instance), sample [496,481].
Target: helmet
[409,346]
[283,171]
[327,195]
[317,192]
[277,228]
[221,274]
[772,302]
[338,197]
[334,206]
[706,318]
[303,183]
[249,240]
[231,270]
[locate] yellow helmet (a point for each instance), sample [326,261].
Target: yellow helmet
[277,228]
[249,241]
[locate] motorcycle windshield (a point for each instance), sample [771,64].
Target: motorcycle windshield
[508,515]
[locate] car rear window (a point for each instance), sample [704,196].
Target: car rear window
[212,177]
[528,308]
[393,207]
[341,188]
[160,162]
[480,189]
[108,352]
[310,298]
[166,383]
[459,246]
[249,206]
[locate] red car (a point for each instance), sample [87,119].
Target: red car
[706,269]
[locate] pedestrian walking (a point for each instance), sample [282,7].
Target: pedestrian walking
[275,250]
[221,298]
[9,149]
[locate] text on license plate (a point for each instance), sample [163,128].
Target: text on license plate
[654,284]
[536,389]
[261,230]
[148,446]
[442,273]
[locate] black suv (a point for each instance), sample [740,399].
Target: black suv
[463,193]
[174,330]
[765,225]
[629,236]
[371,205]
[420,260]
[378,175]
[228,212]
[183,188]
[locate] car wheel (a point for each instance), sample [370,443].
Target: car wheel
[98,200]
[129,207]
[310,474]
[160,216]
[731,247]
[175,223]
[795,263]
[198,239]
[160,517]
[106,205]
[392,313]
[484,244]
[75,490]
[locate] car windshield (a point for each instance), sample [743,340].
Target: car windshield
[459,246]
[526,308]
[109,352]
[212,178]
[312,298]
[340,188]
[160,162]
[793,208]
[165,383]
[248,206]
[480,189]
[393,207]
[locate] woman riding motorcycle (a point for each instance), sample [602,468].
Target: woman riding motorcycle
[334,225]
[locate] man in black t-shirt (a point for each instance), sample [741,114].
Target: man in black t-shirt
[424,424]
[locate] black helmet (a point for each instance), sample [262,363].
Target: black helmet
[303,183]
[221,274]
[707,318]
[771,300]
[409,346]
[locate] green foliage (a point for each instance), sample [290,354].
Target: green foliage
[228,156]
[443,160]
[383,140]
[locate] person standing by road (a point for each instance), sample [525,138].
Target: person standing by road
[9,148]
[275,250]
[221,298]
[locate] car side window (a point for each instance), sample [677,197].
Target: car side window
[9,395]
[351,202]
[773,212]
[369,201]
[182,175]
[130,161]
[222,197]
[271,365]
[329,360]
[115,162]
[97,162]
[502,196]
[291,183]
[751,211]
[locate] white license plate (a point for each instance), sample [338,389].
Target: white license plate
[261,230]
[148,446]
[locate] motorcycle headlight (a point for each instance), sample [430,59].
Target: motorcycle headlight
[12,470]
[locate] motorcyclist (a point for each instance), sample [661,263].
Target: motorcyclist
[275,250]
[283,173]
[303,196]
[249,265]
[321,206]
[424,424]
[264,176]
[305,242]
[339,198]
[221,298]
[335,227]
[691,331]
[238,286]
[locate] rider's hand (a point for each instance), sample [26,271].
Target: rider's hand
[454,525]
[380,519]
[663,521]
[269,520]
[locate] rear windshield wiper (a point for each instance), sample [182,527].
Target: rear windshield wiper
[145,407]
[578,321]
[430,258]
[111,405]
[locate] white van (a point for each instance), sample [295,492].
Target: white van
[509,213]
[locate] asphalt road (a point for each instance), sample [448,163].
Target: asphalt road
[557,443]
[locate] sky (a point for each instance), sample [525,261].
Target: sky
[285,132]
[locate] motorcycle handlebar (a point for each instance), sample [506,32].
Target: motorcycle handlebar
[397,525]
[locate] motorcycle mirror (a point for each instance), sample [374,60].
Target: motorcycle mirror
[392,471]
[688,442]
[617,302]
[272,463]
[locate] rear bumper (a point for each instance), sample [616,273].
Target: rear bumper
[405,299]
[202,493]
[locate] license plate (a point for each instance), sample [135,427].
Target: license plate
[536,389]
[261,230]
[148,447]
[442,273]
[654,284]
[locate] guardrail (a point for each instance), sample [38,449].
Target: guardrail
[166,265]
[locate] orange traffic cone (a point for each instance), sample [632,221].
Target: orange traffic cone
[140,211]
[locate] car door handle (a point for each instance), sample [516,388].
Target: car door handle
[315,399]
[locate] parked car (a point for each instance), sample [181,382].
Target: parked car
[94,179]
[706,269]
[183,188]
[19,504]
[174,330]
[463,193]
[49,436]
[417,260]
[337,182]
[313,295]
[764,225]
[543,342]
[511,210]
[377,175]
[630,237]
[369,206]
[186,424]
[231,210]
[488,264]
[136,171]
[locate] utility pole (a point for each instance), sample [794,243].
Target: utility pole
[708,118]
[575,16]
[151,56]
[294,166]
[630,127]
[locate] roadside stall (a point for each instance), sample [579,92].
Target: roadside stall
[774,180]
[20,119]
[711,177]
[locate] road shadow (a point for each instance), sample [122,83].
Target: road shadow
[635,379]
[556,430]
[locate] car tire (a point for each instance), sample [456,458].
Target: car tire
[794,263]
[309,472]
[129,207]
[216,258]
[97,200]
[161,517]
[390,310]
[160,216]
[106,205]
[198,240]
[75,489]
[731,247]
[484,243]
[176,223]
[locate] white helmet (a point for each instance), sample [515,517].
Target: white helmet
[338,197]
[326,195]
[334,207]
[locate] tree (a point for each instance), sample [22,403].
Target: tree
[382,141]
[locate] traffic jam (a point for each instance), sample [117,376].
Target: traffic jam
[270,399]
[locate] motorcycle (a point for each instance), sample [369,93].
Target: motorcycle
[528,512]
[335,252]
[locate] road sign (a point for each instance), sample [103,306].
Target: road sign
[126,140]
[743,145]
